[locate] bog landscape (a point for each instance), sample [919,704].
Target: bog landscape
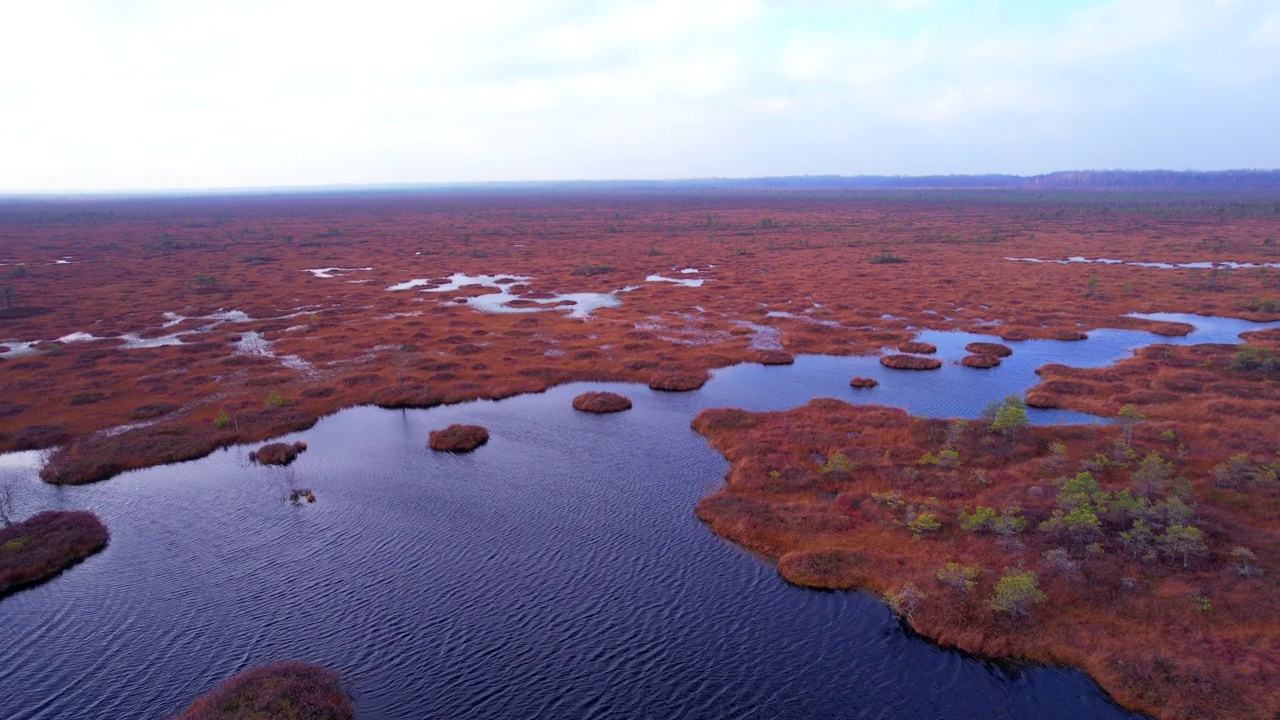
[573,450]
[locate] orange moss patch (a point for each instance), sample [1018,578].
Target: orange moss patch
[863,382]
[989,348]
[45,544]
[980,361]
[458,438]
[864,496]
[282,689]
[915,346]
[601,402]
[277,453]
[910,362]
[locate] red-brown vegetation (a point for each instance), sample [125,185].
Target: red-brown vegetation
[345,340]
[774,357]
[601,402]
[980,361]
[458,438]
[910,362]
[989,348]
[277,453]
[281,690]
[863,382]
[678,382]
[1155,542]
[916,346]
[45,544]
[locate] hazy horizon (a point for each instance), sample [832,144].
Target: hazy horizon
[147,96]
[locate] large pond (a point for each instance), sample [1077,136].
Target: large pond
[557,572]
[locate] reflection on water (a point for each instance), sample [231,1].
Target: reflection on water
[558,572]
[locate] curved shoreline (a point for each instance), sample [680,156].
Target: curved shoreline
[944,519]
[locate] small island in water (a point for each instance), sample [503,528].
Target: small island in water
[45,544]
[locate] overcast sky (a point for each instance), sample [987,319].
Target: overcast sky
[140,94]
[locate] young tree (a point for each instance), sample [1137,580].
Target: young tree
[958,578]
[1153,474]
[1139,541]
[1080,526]
[1126,419]
[1016,594]
[6,504]
[1182,541]
[907,600]
[1245,561]
[1010,416]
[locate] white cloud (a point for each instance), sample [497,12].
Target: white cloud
[137,93]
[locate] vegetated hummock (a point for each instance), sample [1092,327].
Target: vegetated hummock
[325,343]
[458,438]
[1145,552]
[281,690]
[980,361]
[992,348]
[774,357]
[910,362]
[916,346]
[277,453]
[863,382]
[45,544]
[678,382]
[601,402]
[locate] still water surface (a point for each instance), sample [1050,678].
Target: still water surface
[557,572]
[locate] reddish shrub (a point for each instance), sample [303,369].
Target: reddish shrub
[458,438]
[601,402]
[863,382]
[45,544]
[282,689]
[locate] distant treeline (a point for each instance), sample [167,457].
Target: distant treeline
[1067,180]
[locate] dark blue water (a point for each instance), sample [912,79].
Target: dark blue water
[557,572]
